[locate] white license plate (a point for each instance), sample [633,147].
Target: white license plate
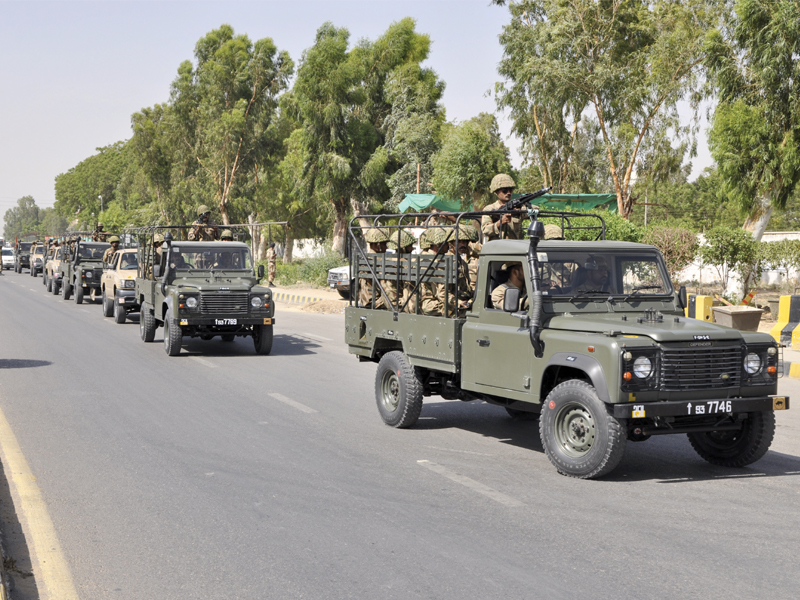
[226,322]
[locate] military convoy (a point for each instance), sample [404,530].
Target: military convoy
[597,349]
[200,289]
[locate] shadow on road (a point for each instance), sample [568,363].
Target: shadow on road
[292,345]
[662,459]
[22,363]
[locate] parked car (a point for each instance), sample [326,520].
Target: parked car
[339,280]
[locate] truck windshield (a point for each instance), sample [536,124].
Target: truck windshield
[218,258]
[129,261]
[609,273]
[25,246]
[92,251]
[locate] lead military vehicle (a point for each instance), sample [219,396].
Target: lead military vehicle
[601,352]
[81,268]
[22,256]
[200,289]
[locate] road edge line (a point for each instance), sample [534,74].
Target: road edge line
[53,572]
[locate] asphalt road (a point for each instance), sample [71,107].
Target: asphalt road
[222,474]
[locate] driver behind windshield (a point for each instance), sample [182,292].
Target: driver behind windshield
[593,276]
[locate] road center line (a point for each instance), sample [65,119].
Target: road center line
[203,361]
[471,484]
[53,572]
[292,403]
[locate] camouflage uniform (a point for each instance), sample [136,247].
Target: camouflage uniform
[203,231]
[110,251]
[494,230]
[98,235]
[271,264]
[365,284]
[499,294]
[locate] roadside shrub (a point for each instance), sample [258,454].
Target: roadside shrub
[730,250]
[311,271]
[677,244]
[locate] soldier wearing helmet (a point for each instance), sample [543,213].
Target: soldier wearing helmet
[272,266]
[506,226]
[226,235]
[98,235]
[203,229]
[114,241]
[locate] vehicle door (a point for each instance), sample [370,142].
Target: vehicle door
[496,348]
[108,276]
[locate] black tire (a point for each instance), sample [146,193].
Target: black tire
[173,336]
[262,339]
[522,415]
[344,294]
[398,390]
[49,285]
[228,337]
[737,448]
[108,306]
[66,290]
[56,287]
[78,294]
[578,434]
[120,314]
[147,324]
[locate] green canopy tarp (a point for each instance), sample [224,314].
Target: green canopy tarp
[560,202]
[424,202]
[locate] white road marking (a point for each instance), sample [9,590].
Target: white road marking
[472,484]
[293,403]
[203,361]
[262,422]
[313,336]
[459,451]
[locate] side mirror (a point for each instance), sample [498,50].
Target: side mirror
[260,271]
[682,298]
[511,300]
[156,271]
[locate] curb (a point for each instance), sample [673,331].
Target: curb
[294,298]
[791,370]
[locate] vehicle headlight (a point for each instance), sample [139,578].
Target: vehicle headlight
[642,367]
[256,302]
[87,274]
[191,302]
[127,283]
[752,363]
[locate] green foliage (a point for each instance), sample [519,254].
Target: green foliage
[729,250]
[312,271]
[755,134]
[22,219]
[678,245]
[472,153]
[618,68]
[617,228]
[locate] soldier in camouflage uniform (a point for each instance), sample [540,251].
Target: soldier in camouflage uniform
[516,280]
[98,235]
[405,247]
[506,227]
[203,229]
[272,268]
[377,239]
[114,241]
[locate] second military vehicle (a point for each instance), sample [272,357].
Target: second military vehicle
[36,258]
[118,285]
[593,343]
[200,289]
[81,268]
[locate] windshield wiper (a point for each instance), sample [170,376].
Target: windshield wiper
[585,293]
[636,290]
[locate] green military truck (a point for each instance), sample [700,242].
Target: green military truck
[81,269]
[201,290]
[600,352]
[22,256]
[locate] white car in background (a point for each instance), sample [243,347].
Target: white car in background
[8,258]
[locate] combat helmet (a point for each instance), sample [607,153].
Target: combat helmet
[553,232]
[406,239]
[376,235]
[158,238]
[113,238]
[501,181]
[226,235]
[202,209]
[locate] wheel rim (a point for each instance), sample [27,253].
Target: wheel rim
[390,391]
[575,430]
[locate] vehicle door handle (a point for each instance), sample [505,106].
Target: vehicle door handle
[483,342]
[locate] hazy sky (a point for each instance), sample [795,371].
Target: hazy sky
[72,73]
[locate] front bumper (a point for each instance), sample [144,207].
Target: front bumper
[699,408]
[126,297]
[223,321]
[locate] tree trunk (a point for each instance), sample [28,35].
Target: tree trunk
[262,246]
[287,251]
[339,225]
[756,223]
[255,236]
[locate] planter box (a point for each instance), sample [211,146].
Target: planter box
[743,318]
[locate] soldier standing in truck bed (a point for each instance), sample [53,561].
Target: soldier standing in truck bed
[114,241]
[203,229]
[377,239]
[505,227]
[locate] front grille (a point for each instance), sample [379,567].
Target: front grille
[700,369]
[232,304]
